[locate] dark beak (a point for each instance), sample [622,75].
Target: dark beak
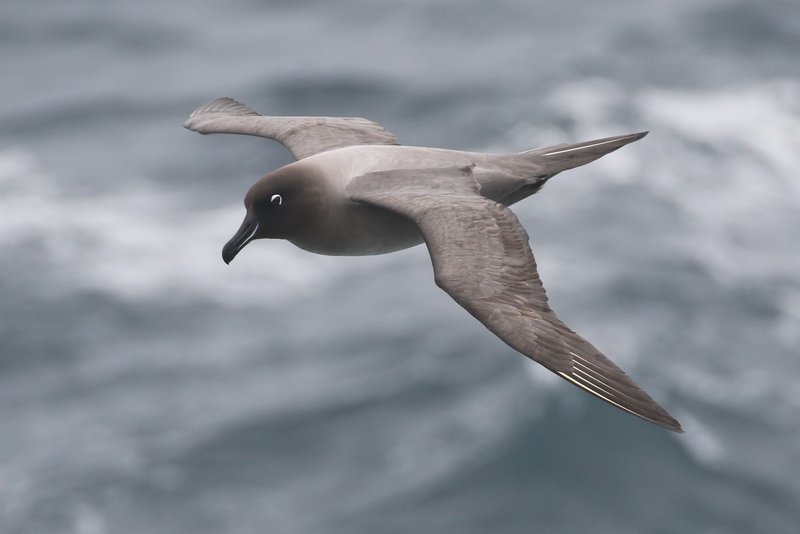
[243,236]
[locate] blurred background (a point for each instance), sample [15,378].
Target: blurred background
[145,386]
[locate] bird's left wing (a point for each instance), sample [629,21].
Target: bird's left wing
[482,259]
[303,136]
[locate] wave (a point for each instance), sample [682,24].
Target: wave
[140,242]
[725,159]
[719,176]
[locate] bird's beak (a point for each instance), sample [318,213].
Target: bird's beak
[243,236]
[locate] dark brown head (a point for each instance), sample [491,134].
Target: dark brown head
[278,206]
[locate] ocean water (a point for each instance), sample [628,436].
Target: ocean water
[145,386]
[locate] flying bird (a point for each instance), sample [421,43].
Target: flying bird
[354,190]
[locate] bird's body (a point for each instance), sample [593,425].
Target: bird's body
[347,228]
[355,191]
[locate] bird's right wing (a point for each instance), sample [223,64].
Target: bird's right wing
[303,136]
[482,259]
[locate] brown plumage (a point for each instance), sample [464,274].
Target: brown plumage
[354,191]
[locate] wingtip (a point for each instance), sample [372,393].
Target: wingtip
[641,405]
[664,420]
[676,427]
[224,105]
[587,151]
[672,425]
[623,140]
[661,418]
[194,124]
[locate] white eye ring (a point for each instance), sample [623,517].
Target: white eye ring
[276,199]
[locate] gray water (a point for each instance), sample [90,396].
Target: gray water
[147,387]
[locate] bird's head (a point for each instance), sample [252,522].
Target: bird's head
[276,206]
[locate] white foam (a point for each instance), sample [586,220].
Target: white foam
[725,161]
[138,242]
[700,441]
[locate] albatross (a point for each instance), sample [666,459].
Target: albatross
[354,190]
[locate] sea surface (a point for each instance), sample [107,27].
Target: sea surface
[145,386]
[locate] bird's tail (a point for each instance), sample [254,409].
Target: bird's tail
[557,158]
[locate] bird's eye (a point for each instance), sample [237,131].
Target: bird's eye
[276,199]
